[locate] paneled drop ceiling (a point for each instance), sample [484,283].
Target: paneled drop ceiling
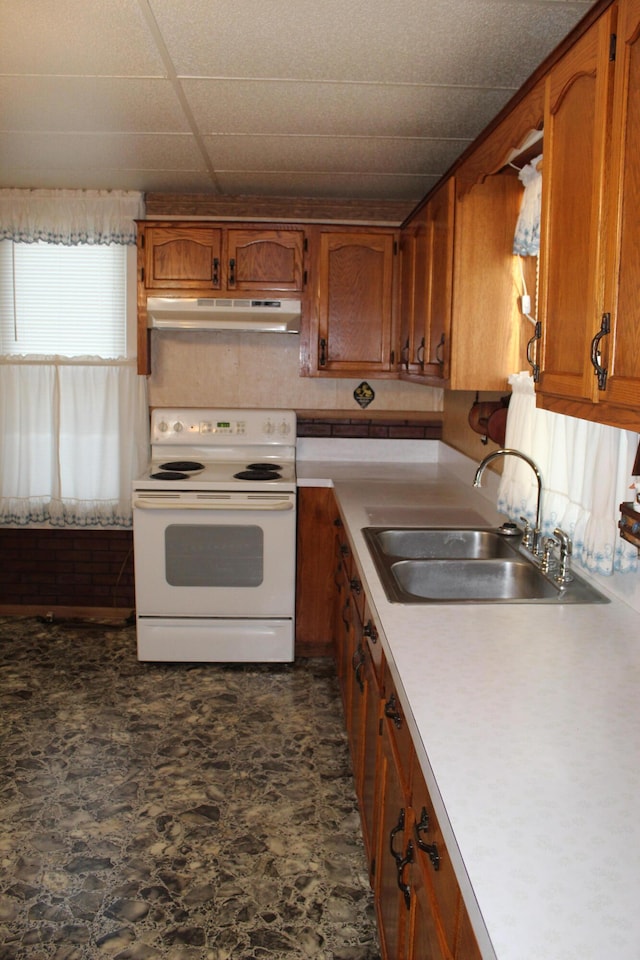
[272,98]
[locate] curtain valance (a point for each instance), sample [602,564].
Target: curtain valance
[70,217]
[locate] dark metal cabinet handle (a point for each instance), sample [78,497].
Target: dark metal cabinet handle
[420,354]
[404,888]
[232,272]
[600,371]
[356,586]
[391,711]
[215,275]
[404,355]
[440,346]
[323,352]
[399,828]
[358,662]
[370,631]
[431,849]
[535,368]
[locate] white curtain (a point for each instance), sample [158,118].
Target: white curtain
[586,473]
[72,438]
[73,433]
[70,216]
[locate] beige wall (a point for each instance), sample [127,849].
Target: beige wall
[253,369]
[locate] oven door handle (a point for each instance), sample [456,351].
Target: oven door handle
[142,504]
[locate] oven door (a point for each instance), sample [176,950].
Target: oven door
[200,554]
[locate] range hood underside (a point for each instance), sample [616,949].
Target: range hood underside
[190,313]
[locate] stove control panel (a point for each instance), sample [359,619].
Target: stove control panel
[210,427]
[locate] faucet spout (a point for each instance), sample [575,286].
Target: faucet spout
[509,452]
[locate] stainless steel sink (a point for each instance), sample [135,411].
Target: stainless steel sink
[459,565]
[443,543]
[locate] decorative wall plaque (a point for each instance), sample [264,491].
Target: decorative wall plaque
[363,394]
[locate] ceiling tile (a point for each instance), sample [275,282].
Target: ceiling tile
[78,37]
[340,109]
[89,104]
[408,40]
[130,151]
[339,155]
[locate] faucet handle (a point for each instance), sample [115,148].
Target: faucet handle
[566,549]
[527,536]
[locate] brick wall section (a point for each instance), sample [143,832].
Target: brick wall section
[375,428]
[74,568]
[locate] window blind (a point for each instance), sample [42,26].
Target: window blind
[60,300]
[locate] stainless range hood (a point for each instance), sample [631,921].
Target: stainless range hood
[203,313]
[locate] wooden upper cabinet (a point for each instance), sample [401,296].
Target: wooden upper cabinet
[185,257]
[351,324]
[265,259]
[621,348]
[426,259]
[576,136]
[487,330]
[433,350]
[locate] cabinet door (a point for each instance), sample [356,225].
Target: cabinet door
[315,586]
[406,360]
[621,349]
[487,343]
[368,784]
[184,257]
[434,864]
[392,842]
[576,131]
[354,303]
[433,355]
[264,260]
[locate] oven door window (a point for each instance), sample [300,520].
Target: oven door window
[225,555]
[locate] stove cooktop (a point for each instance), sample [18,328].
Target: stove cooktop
[215,449]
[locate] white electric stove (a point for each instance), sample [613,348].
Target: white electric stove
[214,526]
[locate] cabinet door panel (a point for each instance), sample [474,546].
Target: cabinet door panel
[264,260]
[355,302]
[182,257]
[622,297]
[577,120]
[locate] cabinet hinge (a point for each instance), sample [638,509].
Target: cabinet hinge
[380,722]
[373,867]
[142,239]
[612,46]
[142,274]
[395,248]
[305,244]
[304,278]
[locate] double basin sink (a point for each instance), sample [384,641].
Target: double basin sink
[462,565]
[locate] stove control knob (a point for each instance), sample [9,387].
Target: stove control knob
[268,427]
[178,427]
[284,429]
[163,426]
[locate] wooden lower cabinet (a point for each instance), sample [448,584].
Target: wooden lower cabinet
[419,908]
[315,586]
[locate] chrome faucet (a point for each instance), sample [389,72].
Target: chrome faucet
[508,452]
[566,549]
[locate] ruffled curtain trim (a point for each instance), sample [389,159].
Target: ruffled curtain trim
[70,217]
[526,242]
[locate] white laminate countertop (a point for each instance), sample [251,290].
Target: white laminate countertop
[526,721]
